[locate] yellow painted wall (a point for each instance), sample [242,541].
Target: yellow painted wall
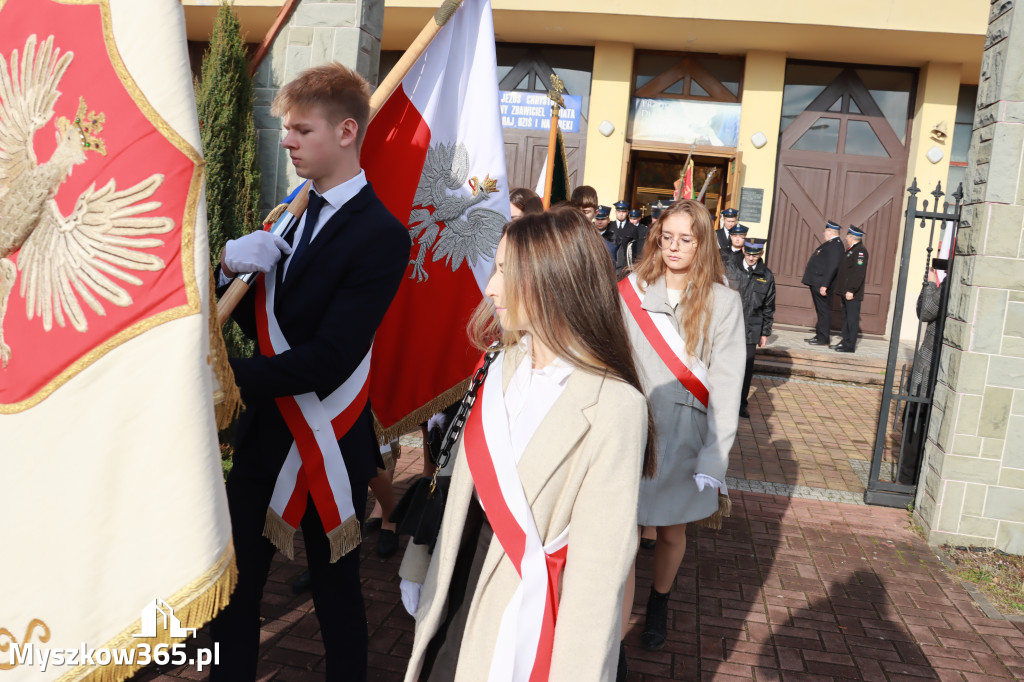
[937,90]
[610,90]
[763,78]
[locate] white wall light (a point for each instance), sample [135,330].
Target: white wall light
[758,139]
[934,154]
[606,128]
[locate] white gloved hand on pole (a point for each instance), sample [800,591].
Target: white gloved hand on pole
[411,595]
[255,252]
[703,480]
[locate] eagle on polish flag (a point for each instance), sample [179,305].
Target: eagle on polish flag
[436,156]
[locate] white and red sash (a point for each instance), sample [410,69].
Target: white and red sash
[522,651]
[667,343]
[314,465]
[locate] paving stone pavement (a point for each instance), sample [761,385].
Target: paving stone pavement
[789,589]
[803,583]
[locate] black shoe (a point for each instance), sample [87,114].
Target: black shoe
[387,543]
[648,543]
[372,524]
[814,341]
[836,346]
[843,349]
[656,625]
[302,583]
[744,412]
[623,669]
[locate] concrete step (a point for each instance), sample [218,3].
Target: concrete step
[843,373]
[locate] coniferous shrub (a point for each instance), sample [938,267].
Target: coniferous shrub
[224,99]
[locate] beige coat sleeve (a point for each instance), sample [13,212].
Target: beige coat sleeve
[725,379]
[602,540]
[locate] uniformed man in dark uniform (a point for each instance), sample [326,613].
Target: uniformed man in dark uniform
[850,279]
[620,222]
[734,252]
[626,241]
[819,275]
[605,230]
[756,286]
[730,217]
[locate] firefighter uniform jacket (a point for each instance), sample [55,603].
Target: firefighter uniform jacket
[852,270]
[757,291]
[822,266]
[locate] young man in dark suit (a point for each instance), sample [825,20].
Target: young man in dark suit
[853,270]
[332,281]
[819,275]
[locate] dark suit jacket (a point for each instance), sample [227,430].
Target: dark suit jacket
[723,238]
[853,269]
[823,264]
[329,307]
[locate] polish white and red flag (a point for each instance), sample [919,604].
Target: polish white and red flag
[436,158]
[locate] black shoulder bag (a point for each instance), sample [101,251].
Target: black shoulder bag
[419,512]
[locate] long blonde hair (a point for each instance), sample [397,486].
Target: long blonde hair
[705,271]
[558,274]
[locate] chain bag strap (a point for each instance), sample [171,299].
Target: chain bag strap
[421,508]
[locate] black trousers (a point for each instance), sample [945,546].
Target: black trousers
[337,594]
[748,373]
[851,321]
[824,312]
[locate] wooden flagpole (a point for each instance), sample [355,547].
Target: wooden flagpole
[240,285]
[555,95]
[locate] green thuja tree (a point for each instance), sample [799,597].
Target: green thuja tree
[224,99]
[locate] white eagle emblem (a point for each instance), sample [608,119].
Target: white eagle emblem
[63,258]
[467,234]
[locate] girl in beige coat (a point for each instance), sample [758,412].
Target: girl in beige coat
[687,331]
[574,425]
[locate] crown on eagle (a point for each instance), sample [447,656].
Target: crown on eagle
[486,185]
[89,125]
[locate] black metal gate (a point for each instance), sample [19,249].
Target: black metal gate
[906,407]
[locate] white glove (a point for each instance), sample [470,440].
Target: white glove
[709,481]
[255,252]
[411,596]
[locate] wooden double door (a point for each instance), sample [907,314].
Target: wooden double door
[840,159]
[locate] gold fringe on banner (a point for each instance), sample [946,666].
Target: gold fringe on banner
[227,399]
[194,605]
[280,534]
[421,414]
[345,538]
[724,510]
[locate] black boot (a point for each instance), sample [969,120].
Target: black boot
[623,669]
[655,626]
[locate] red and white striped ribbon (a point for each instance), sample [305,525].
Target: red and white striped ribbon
[314,465]
[523,648]
[667,343]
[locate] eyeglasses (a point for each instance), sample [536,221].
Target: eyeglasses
[685,241]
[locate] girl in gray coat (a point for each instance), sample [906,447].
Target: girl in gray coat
[688,336]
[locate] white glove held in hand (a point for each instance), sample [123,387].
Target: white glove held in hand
[411,596]
[705,480]
[255,252]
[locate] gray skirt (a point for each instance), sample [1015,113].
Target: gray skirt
[671,496]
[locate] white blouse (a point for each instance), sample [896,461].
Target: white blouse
[531,394]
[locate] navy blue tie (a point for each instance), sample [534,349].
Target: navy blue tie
[316,202]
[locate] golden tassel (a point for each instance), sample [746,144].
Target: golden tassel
[227,399]
[420,414]
[194,605]
[275,214]
[345,538]
[714,521]
[280,534]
